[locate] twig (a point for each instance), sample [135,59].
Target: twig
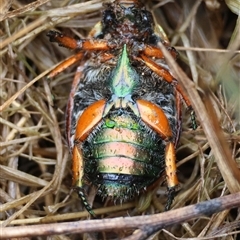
[148,224]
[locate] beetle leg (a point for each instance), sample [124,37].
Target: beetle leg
[155,117]
[73,59]
[77,44]
[70,104]
[78,172]
[65,64]
[171,173]
[157,120]
[152,51]
[179,117]
[162,72]
[89,119]
[86,122]
[189,106]
[62,40]
[167,76]
[106,57]
[77,166]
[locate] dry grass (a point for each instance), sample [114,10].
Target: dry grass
[35,164]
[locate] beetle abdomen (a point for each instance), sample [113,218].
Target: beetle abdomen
[123,156]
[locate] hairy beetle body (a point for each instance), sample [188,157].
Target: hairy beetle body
[122,154]
[123,115]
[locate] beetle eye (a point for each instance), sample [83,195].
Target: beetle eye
[108,17]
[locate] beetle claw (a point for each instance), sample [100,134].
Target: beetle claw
[85,203]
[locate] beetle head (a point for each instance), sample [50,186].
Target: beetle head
[127,20]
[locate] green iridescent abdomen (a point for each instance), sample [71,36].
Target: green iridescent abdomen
[124,156]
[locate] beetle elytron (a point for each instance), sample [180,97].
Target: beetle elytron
[123,114]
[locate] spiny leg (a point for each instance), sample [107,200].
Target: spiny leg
[70,104]
[151,51]
[73,59]
[162,72]
[78,172]
[189,107]
[154,116]
[86,122]
[105,57]
[171,173]
[77,44]
[65,64]
[179,117]
[91,116]
[72,43]
[167,76]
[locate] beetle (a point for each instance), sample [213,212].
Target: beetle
[124,110]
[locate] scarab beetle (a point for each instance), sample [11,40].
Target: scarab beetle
[123,114]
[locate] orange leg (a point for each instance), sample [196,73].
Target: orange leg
[171,172]
[65,64]
[105,57]
[171,169]
[77,44]
[162,72]
[87,121]
[157,120]
[167,76]
[72,43]
[77,166]
[73,59]
[151,51]
[78,171]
